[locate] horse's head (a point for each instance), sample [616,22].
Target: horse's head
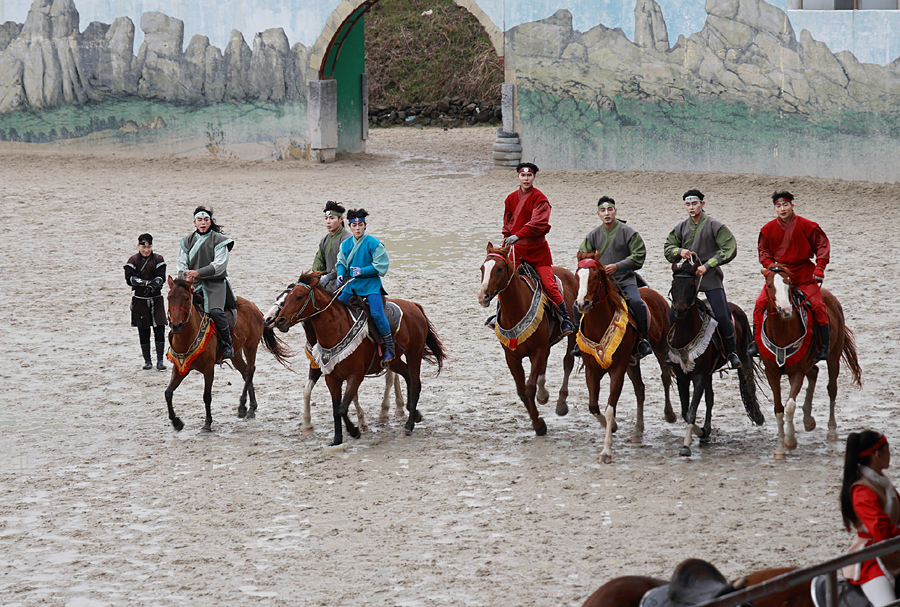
[269,318]
[496,273]
[593,283]
[779,291]
[180,303]
[299,303]
[685,283]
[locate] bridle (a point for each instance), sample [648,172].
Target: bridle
[589,263]
[309,298]
[506,268]
[189,311]
[682,276]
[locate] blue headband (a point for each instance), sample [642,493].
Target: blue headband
[357,220]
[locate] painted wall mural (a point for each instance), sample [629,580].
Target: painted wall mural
[87,88]
[746,93]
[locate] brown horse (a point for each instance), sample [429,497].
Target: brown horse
[499,278]
[627,591]
[598,299]
[185,323]
[416,340]
[783,327]
[695,355]
[391,379]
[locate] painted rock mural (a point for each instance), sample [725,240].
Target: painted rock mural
[744,94]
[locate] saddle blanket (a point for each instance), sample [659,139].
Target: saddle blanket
[328,358]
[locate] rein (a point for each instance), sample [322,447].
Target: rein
[296,318]
[507,265]
[592,263]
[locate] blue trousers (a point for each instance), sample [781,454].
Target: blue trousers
[376,308]
[719,305]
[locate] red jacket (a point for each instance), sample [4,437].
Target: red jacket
[793,244]
[529,219]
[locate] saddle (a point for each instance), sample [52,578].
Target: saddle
[360,305]
[848,595]
[694,581]
[533,281]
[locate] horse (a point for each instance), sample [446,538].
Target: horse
[697,581]
[186,321]
[391,379]
[785,327]
[500,278]
[415,339]
[695,355]
[598,300]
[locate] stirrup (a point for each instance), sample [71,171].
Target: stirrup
[734,360]
[644,348]
[491,321]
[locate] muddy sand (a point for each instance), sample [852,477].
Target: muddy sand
[103,503]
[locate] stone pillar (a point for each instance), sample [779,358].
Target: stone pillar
[321,115]
[507,147]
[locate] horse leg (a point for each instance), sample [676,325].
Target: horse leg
[684,393]
[834,368]
[809,422]
[399,403]
[666,376]
[174,382]
[706,436]
[413,389]
[790,435]
[774,378]
[208,377]
[616,381]
[593,376]
[306,427]
[691,416]
[384,414]
[243,369]
[360,416]
[562,408]
[542,395]
[634,373]
[526,390]
[349,394]
[334,387]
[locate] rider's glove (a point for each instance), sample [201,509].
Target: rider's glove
[323,280]
[158,281]
[510,240]
[339,281]
[355,272]
[819,275]
[138,282]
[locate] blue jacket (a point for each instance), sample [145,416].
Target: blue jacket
[369,255]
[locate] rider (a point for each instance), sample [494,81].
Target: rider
[792,241]
[526,221]
[145,273]
[365,260]
[622,251]
[871,506]
[203,258]
[330,246]
[710,240]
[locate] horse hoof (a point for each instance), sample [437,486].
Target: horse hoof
[306,431]
[778,455]
[562,409]
[251,414]
[810,425]
[363,428]
[242,412]
[205,430]
[542,400]
[832,435]
[385,419]
[541,429]
[404,432]
[637,438]
[337,441]
[685,452]
[177,424]
[605,459]
[354,433]
[790,446]
[670,418]
[419,417]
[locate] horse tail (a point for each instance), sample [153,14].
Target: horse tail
[849,356]
[749,373]
[434,347]
[277,347]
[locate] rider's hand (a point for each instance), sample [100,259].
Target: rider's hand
[323,280]
[685,254]
[158,281]
[510,240]
[701,271]
[138,282]
[611,269]
[819,275]
[355,272]
[339,281]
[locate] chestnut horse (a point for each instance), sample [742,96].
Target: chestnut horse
[597,300]
[627,591]
[695,355]
[415,339]
[185,323]
[784,327]
[500,278]
[391,379]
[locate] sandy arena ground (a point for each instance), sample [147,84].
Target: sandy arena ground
[103,503]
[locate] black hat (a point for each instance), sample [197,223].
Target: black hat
[357,214]
[527,165]
[145,238]
[334,208]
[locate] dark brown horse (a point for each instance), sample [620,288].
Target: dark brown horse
[500,278]
[695,354]
[598,300]
[185,323]
[416,340]
[627,591]
[783,327]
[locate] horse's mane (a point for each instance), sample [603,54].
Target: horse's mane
[685,269]
[180,282]
[308,278]
[611,287]
[783,270]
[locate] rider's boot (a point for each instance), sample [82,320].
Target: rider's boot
[223,332]
[576,351]
[733,361]
[160,355]
[753,349]
[388,349]
[825,344]
[644,347]
[145,349]
[566,327]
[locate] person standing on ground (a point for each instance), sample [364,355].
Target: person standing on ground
[793,241]
[145,273]
[362,262]
[203,258]
[871,506]
[714,245]
[622,252]
[330,246]
[526,222]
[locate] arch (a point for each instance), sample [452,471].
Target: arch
[346,9]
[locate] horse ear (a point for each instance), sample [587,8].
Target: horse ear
[171,282]
[490,247]
[596,256]
[674,267]
[580,255]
